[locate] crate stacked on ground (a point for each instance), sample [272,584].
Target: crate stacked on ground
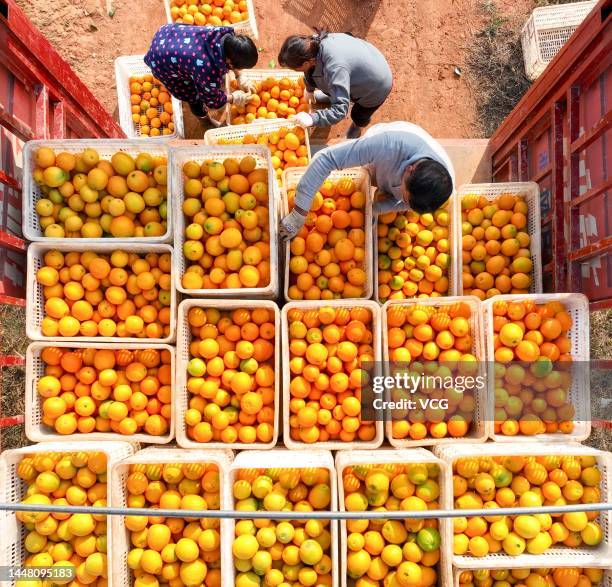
[279,94]
[499,242]
[192,551]
[225,237]
[59,474]
[92,190]
[528,475]
[228,376]
[280,551]
[146,108]
[330,352]
[440,338]
[538,349]
[331,256]
[75,391]
[416,253]
[240,15]
[547,30]
[410,550]
[288,142]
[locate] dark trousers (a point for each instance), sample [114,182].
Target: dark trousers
[198,110]
[361,115]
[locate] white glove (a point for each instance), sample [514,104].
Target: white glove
[240,98]
[309,96]
[247,85]
[304,119]
[291,224]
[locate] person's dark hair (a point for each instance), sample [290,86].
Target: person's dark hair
[430,185]
[241,51]
[297,49]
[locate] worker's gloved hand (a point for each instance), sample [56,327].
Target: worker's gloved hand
[240,98]
[309,96]
[291,224]
[247,85]
[304,119]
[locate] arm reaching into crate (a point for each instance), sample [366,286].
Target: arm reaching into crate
[404,161]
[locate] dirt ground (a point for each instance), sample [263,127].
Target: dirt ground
[423,40]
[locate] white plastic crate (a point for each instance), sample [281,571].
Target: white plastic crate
[214,136]
[287,375]
[129,66]
[283,459]
[106,148]
[12,490]
[122,575]
[200,153]
[557,555]
[37,431]
[454,269]
[346,459]
[182,395]
[246,27]
[454,581]
[531,192]
[35,311]
[577,306]
[291,178]
[547,30]
[260,75]
[479,429]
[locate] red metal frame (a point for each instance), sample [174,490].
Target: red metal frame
[559,136]
[40,97]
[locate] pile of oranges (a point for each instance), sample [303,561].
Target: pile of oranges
[495,243]
[562,577]
[419,334]
[518,481]
[209,12]
[84,196]
[180,551]
[287,147]
[533,374]
[105,390]
[70,542]
[329,347]
[396,552]
[227,234]
[231,375]
[327,259]
[413,254]
[295,552]
[121,294]
[275,98]
[151,106]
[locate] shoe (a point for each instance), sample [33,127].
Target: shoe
[321,97]
[354,132]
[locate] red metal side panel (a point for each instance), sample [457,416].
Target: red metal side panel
[560,135]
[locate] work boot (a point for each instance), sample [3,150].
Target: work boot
[354,131]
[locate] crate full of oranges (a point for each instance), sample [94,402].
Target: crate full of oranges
[146,107]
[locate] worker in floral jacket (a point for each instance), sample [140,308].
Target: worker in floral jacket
[191,61]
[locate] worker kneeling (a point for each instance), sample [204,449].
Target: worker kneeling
[343,69]
[191,61]
[407,165]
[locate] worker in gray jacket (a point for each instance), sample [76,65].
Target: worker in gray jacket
[407,165]
[345,69]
